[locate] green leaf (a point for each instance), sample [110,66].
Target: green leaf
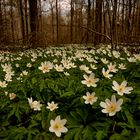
[99,135]
[34,80]
[42,85]
[138,131]
[115,136]
[129,118]
[77,135]
[33,124]
[13,110]
[126,132]
[70,134]
[67,94]
[88,133]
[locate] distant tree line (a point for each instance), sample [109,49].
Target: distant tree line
[27,22]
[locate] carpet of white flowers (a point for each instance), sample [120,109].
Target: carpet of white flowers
[70,93]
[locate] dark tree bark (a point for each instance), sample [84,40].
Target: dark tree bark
[26,22]
[33,12]
[113,26]
[71,23]
[1,24]
[57,22]
[52,16]
[129,16]
[12,22]
[98,21]
[20,10]
[88,20]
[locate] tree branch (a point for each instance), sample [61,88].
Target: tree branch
[91,30]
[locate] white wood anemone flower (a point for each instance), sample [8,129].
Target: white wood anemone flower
[122,66]
[35,105]
[57,126]
[106,74]
[52,106]
[85,68]
[90,98]
[59,68]
[121,89]
[90,80]
[46,66]
[112,68]
[3,84]
[111,106]
[12,96]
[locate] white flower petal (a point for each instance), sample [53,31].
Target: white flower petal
[112,113]
[115,84]
[124,83]
[104,111]
[119,102]
[113,99]
[103,104]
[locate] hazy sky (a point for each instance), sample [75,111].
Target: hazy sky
[64,4]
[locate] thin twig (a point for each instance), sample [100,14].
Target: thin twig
[91,30]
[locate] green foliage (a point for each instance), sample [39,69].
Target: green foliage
[84,121]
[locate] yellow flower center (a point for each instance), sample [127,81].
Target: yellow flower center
[45,68]
[90,81]
[57,126]
[90,98]
[34,104]
[121,88]
[111,108]
[106,74]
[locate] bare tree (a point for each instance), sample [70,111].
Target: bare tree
[88,20]
[33,12]
[57,22]
[1,23]
[71,22]
[26,21]
[98,21]
[20,10]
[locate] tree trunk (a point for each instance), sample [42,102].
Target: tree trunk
[88,20]
[12,22]
[71,23]
[57,22]
[98,21]
[113,26]
[33,22]
[26,22]
[20,11]
[52,16]
[1,25]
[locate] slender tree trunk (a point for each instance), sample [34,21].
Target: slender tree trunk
[5,25]
[138,17]
[88,21]
[20,10]
[123,22]
[98,21]
[12,22]
[40,17]
[33,22]
[93,20]
[57,22]
[1,24]
[26,22]
[80,23]
[52,21]
[71,23]
[129,21]
[104,23]
[133,17]
[113,27]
